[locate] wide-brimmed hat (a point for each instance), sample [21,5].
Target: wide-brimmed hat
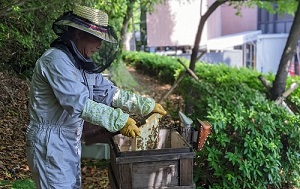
[90,20]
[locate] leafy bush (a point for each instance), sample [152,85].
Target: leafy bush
[294,97]
[254,143]
[165,68]
[26,31]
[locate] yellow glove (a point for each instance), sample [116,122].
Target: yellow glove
[130,129]
[159,109]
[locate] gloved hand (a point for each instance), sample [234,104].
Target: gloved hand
[159,109]
[130,129]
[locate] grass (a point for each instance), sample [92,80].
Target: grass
[17,184]
[121,77]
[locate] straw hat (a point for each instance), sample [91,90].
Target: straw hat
[90,20]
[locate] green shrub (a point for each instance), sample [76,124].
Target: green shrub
[26,32]
[254,143]
[294,96]
[164,68]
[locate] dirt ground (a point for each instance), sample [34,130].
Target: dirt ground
[14,118]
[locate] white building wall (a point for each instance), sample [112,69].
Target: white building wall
[269,51]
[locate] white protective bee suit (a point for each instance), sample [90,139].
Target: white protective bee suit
[62,97]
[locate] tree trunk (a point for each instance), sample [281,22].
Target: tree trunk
[203,19]
[126,21]
[279,83]
[189,103]
[143,27]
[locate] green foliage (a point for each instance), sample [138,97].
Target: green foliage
[165,68]
[120,75]
[26,27]
[273,6]
[26,31]
[18,184]
[254,143]
[294,97]
[288,6]
[221,73]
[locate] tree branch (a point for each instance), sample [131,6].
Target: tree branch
[8,13]
[7,9]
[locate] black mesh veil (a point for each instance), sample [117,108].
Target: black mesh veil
[106,54]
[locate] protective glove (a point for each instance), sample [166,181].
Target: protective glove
[159,109]
[130,129]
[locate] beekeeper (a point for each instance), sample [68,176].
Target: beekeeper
[67,89]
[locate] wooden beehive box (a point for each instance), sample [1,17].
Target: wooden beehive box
[169,165]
